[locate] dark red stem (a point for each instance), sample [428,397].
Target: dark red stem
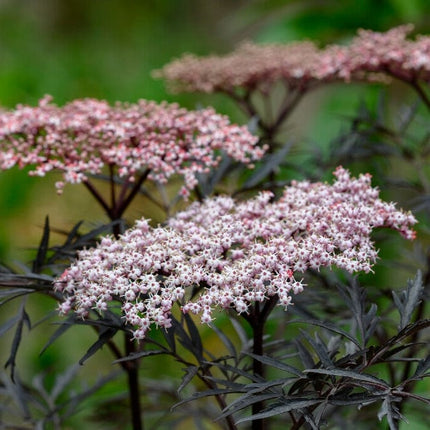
[132,370]
[257,319]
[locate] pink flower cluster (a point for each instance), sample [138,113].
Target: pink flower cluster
[249,66]
[234,253]
[84,136]
[371,56]
[389,53]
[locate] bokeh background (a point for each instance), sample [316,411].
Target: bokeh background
[108,48]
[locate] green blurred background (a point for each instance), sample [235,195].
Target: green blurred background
[108,48]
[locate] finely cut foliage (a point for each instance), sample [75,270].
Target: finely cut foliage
[85,136]
[235,253]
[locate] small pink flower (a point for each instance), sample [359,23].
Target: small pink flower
[86,136]
[237,253]
[371,56]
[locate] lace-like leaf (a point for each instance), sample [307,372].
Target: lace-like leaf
[408,299]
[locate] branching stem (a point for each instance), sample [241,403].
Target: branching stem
[257,318]
[132,370]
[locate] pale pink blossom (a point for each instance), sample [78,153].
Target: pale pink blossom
[390,53]
[371,56]
[84,137]
[249,66]
[232,254]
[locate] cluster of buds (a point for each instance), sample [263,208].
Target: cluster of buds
[249,66]
[85,136]
[229,255]
[370,56]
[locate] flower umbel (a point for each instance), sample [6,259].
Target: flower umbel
[235,253]
[85,136]
[302,65]
[391,53]
[249,66]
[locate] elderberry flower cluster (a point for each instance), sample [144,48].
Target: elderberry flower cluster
[227,254]
[371,56]
[249,66]
[389,53]
[84,136]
